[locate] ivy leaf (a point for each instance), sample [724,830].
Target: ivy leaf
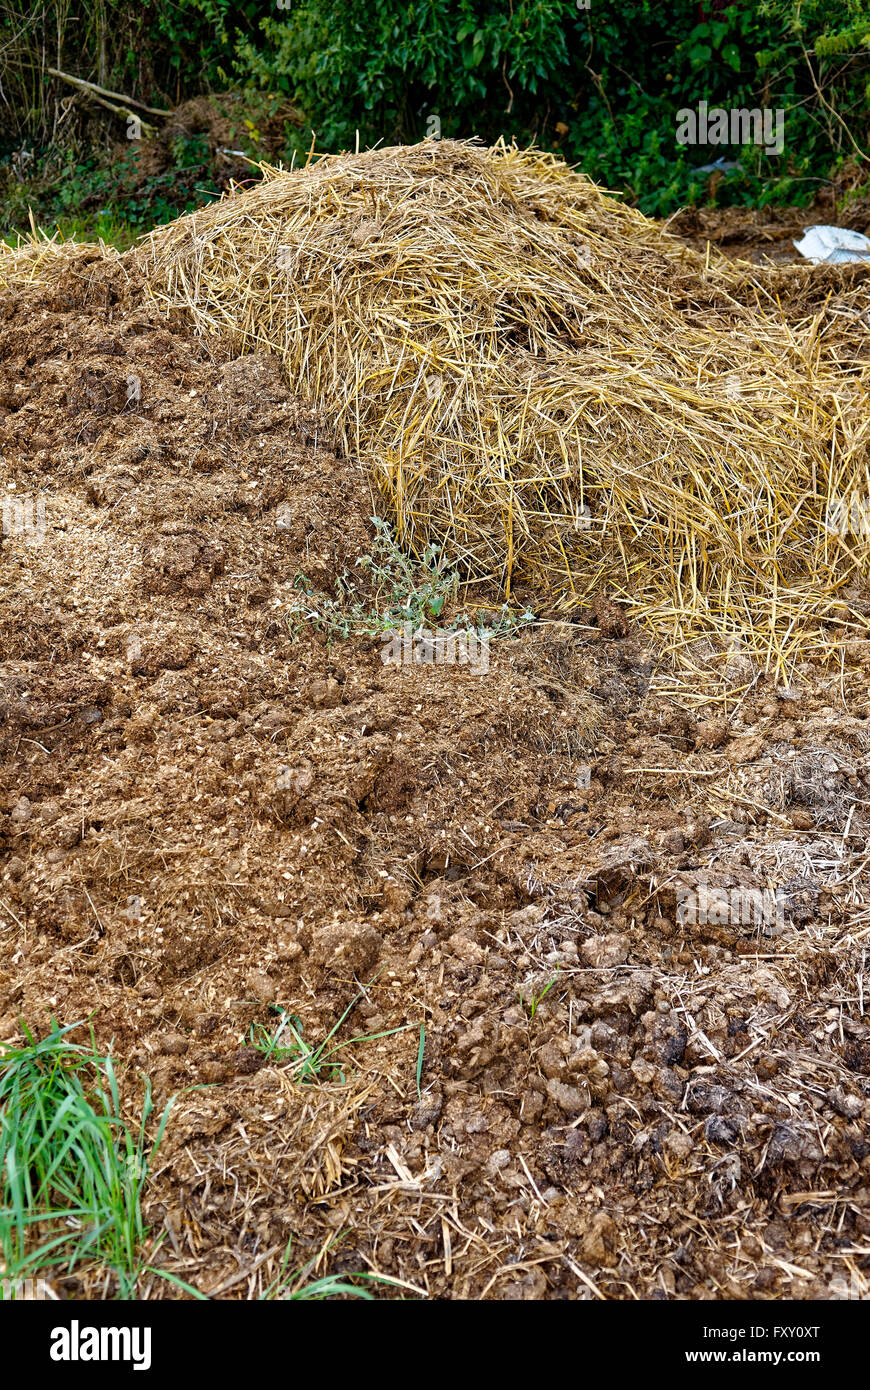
[731,54]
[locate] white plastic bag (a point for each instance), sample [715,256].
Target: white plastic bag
[833,245]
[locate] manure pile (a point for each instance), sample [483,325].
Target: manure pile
[625,915]
[542,382]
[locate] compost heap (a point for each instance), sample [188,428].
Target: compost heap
[225,826]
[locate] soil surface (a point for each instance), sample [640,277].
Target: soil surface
[213,815]
[766,236]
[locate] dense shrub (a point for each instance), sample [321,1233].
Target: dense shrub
[601,84]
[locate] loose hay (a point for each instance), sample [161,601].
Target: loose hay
[544,383]
[41,260]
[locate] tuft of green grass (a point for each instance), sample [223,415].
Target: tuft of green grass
[107,226]
[293,1287]
[309,1062]
[534,1001]
[329,1287]
[72,1170]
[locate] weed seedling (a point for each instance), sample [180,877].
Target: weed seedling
[534,1001]
[420,1050]
[310,1063]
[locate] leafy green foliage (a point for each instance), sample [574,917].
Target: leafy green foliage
[87,199]
[602,85]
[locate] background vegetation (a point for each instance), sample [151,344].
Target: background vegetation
[601,84]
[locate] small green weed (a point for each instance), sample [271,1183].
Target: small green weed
[309,1063]
[406,590]
[534,1001]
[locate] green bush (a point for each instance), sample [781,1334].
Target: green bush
[602,85]
[159,51]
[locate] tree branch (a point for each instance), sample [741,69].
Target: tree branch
[98,92]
